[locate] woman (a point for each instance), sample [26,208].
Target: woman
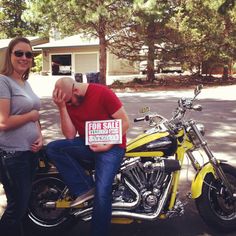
[20,133]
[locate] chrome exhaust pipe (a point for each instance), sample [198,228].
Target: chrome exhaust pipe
[86,214]
[144,216]
[126,205]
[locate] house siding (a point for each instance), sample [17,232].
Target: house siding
[115,66]
[118,66]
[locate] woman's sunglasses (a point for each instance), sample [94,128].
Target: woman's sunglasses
[21,54]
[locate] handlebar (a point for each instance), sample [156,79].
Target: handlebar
[150,117]
[146,118]
[184,104]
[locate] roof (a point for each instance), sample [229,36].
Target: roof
[4,42]
[72,41]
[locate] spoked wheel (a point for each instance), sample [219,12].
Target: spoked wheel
[45,218]
[215,205]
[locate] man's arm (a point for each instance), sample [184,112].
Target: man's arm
[67,127]
[121,114]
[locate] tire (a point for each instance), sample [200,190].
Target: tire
[214,205]
[41,220]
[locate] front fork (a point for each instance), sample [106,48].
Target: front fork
[219,173]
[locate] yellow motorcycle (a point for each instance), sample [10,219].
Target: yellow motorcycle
[147,185]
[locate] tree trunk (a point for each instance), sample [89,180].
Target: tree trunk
[151,51]
[102,51]
[225,75]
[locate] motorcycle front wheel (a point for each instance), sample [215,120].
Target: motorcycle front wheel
[215,205]
[44,220]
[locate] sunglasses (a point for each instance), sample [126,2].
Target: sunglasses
[69,102]
[21,54]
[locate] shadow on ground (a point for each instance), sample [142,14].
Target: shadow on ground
[219,118]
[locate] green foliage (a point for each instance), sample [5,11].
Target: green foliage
[12,22]
[234,67]
[42,15]
[92,17]
[38,61]
[226,6]
[190,31]
[74,16]
[137,81]
[146,35]
[204,34]
[118,83]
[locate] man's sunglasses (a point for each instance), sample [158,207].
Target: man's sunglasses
[69,102]
[21,54]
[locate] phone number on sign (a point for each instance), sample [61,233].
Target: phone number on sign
[103,138]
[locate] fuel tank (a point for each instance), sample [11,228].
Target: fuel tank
[154,144]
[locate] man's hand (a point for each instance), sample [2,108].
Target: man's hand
[59,98]
[100,147]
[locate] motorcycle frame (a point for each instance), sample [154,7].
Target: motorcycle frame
[219,173]
[213,166]
[185,147]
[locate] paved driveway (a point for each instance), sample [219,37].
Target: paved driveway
[219,118]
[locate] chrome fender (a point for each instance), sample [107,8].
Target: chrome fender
[196,187]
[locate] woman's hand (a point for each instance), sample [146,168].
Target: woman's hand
[34,115]
[100,147]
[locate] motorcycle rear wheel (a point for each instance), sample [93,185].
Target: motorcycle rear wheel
[42,220]
[214,205]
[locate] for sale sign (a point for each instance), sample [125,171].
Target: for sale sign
[103,132]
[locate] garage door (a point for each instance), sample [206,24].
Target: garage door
[86,63]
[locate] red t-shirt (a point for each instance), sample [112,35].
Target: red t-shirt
[99,103]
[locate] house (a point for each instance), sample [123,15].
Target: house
[33,40]
[77,54]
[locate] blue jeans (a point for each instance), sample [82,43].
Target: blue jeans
[70,156]
[17,171]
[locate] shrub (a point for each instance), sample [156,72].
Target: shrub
[117,83]
[38,60]
[137,81]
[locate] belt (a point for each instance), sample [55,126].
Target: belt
[9,154]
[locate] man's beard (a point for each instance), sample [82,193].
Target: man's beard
[79,98]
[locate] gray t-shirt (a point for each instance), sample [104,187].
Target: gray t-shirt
[23,100]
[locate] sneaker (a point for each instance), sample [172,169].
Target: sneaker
[84,197]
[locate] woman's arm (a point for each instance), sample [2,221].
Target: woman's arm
[38,143]
[8,121]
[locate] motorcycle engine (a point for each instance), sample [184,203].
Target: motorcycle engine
[149,177]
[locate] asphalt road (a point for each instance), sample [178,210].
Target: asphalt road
[219,118]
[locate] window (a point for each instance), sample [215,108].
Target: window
[61,64]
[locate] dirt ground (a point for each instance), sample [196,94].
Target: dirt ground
[165,82]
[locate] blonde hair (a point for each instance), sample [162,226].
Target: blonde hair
[7,65]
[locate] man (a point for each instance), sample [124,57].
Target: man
[78,103]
